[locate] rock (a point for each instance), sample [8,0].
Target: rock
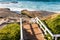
[7,16]
[4,9]
[52,16]
[5,12]
[25,12]
[40,14]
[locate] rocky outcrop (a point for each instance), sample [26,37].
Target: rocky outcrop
[8,16]
[52,16]
[5,12]
[26,12]
[40,14]
[4,9]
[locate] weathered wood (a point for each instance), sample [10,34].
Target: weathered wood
[32,32]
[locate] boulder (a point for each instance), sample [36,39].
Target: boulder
[26,12]
[5,12]
[40,14]
[4,9]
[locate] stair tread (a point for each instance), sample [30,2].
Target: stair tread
[26,26]
[34,33]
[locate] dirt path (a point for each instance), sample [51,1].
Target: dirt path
[32,32]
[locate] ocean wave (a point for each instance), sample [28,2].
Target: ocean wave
[24,5]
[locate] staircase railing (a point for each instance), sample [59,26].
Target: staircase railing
[45,29]
[21,30]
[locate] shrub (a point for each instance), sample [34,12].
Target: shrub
[10,32]
[54,25]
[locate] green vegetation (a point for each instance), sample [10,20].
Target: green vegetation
[54,25]
[48,36]
[10,32]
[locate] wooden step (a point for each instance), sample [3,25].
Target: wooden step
[34,32]
[40,37]
[27,26]
[34,25]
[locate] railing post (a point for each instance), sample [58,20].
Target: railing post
[43,29]
[36,20]
[21,32]
[52,37]
[45,32]
[55,38]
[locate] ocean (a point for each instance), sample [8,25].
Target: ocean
[53,6]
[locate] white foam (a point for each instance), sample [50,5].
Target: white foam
[14,7]
[25,6]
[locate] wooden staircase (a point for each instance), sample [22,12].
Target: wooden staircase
[32,32]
